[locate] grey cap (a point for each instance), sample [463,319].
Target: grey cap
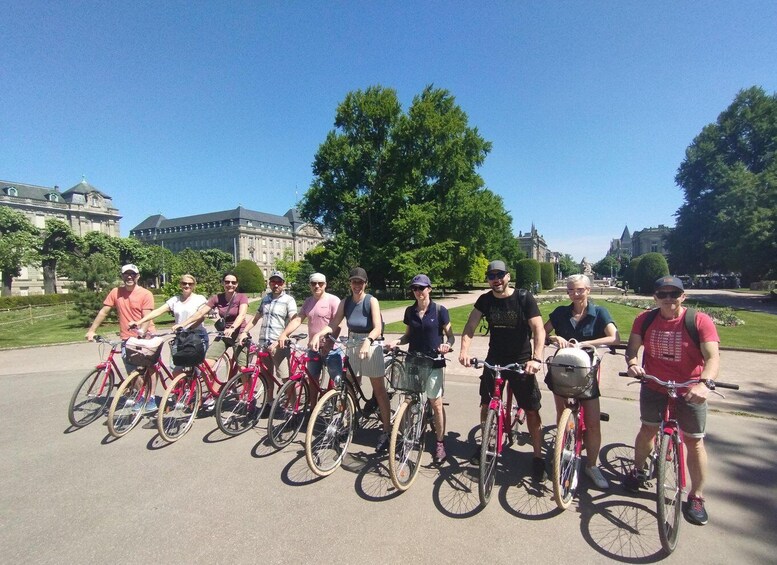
[496,266]
[277,275]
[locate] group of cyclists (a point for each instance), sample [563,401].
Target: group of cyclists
[517,334]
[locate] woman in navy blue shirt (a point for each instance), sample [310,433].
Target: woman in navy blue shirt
[588,324]
[426,323]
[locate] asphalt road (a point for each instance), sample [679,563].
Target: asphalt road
[77,496]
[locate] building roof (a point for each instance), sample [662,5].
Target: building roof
[84,187]
[30,191]
[625,235]
[290,219]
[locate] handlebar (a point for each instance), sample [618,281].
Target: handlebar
[711,384]
[402,353]
[517,367]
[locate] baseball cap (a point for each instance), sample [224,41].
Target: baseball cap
[277,275]
[496,266]
[130,267]
[358,273]
[420,280]
[317,277]
[669,281]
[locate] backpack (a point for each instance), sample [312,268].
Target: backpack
[188,349]
[483,328]
[366,309]
[690,324]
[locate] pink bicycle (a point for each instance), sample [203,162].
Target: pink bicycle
[93,393]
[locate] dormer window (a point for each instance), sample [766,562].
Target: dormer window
[51,197]
[11,191]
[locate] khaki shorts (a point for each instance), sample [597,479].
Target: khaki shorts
[373,365]
[219,346]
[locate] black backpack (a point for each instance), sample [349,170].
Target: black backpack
[188,349]
[690,324]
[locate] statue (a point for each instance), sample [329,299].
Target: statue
[585,266]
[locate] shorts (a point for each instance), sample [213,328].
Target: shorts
[333,362]
[219,346]
[524,387]
[373,365]
[279,361]
[691,417]
[435,383]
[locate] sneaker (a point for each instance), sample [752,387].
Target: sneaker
[695,512]
[633,482]
[475,459]
[439,453]
[538,469]
[209,403]
[151,405]
[596,476]
[383,441]
[369,407]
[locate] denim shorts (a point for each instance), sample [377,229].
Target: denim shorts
[691,417]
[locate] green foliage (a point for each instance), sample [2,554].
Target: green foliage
[95,270]
[249,277]
[527,273]
[86,305]
[650,267]
[607,267]
[289,267]
[18,245]
[9,302]
[58,241]
[477,271]
[300,284]
[399,191]
[568,265]
[631,272]
[728,221]
[548,275]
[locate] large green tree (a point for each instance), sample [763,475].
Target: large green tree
[728,221]
[18,246]
[400,192]
[57,242]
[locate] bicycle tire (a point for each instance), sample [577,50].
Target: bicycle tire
[669,493]
[222,366]
[238,407]
[566,462]
[128,405]
[288,412]
[329,432]
[488,457]
[91,397]
[178,407]
[406,444]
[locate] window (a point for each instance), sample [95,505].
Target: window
[51,197]
[11,191]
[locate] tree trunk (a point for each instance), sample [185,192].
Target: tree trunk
[50,276]
[7,281]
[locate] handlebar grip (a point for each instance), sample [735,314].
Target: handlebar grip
[623,374]
[732,386]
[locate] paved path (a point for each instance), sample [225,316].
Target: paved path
[742,300]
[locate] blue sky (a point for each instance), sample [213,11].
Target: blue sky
[182,108]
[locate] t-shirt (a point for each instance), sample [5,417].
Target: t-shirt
[276,313]
[425,334]
[220,302]
[591,326]
[670,353]
[130,305]
[182,311]
[358,315]
[319,312]
[510,340]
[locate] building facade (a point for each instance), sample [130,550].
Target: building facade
[243,233]
[84,207]
[534,246]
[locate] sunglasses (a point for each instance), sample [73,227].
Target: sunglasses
[416,288]
[670,294]
[187,284]
[498,275]
[230,282]
[317,284]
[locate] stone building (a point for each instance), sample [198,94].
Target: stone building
[649,240]
[243,233]
[534,246]
[83,206]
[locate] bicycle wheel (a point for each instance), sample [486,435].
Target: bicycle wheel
[394,370]
[222,365]
[178,407]
[669,492]
[566,462]
[240,404]
[329,432]
[406,445]
[90,397]
[288,413]
[128,405]
[488,456]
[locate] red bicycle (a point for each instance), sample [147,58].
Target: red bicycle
[501,427]
[666,463]
[93,393]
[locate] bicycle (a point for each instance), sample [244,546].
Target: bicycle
[93,393]
[501,426]
[295,399]
[182,399]
[129,404]
[666,462]
[415,412]
[334,419]
[242,399]
[571,428]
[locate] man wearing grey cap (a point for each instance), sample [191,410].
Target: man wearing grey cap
[517,336]
[671,353]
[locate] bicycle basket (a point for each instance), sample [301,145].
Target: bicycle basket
[415,375]
[572,372]
[143,352]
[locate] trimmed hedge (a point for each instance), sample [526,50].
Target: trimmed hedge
[10,302]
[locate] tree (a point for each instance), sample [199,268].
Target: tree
[631,272]
[96,271]
[607,267]
[527,274]
[548,275]
[56,243]
[568,265]
[249,277]
[289,267]
[728,221]
[158,263]
[19,241]
[651,266]
[400,193]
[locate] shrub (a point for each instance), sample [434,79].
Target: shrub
[651,266]
[548,275]
[249,277]
[631,272]
[10,302]
[87,304]
[527,273]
